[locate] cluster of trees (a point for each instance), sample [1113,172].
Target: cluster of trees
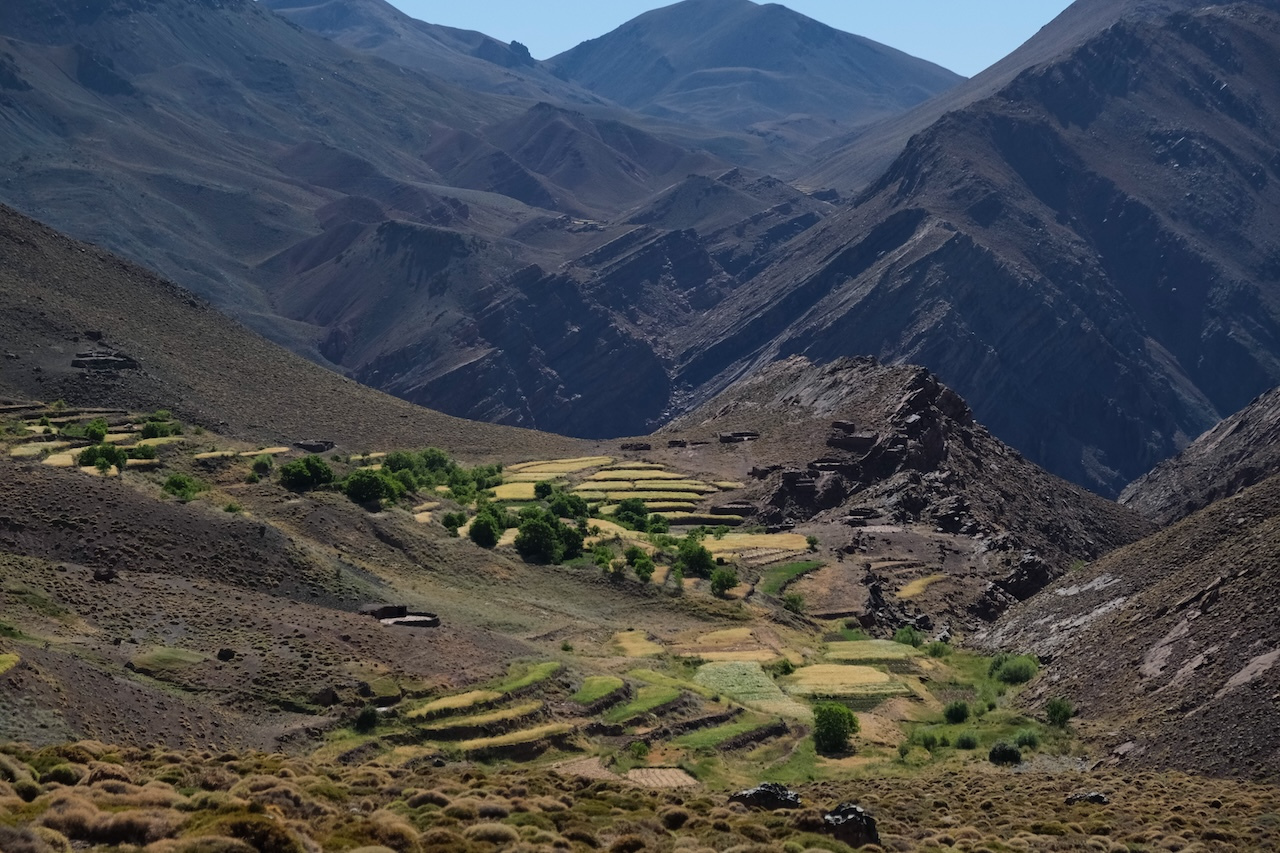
[430,468]
[633,514]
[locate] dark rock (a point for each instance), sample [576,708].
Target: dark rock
[104,360]
[768,796]
[1096,798]
[384,611]
[315,445]
[636,446]
[677,442]
[326,698]
[738,437]
[104,575]
[852,825]
[226,655]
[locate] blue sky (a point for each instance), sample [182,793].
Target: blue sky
[963,35]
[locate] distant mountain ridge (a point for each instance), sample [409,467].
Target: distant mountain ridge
[734,64]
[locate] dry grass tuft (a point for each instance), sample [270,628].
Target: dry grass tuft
[492,833]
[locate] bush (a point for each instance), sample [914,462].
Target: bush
[644,568]
[366,486]
[183,486]
[1027,739]
[908,636]
[956,712]
[812,542]
[305,474]
[155,429]
[367,720]
[1059,711]
[967,740]
[1004,753]
[96,430]
[103,454]
[484,531]
[262,464]
[632,513]
[453,520]
[722,580]
[833,725]
[142,451]
[538,541]
[693,559]
[938,649]
[1017,670]
[793,602]
[542,490]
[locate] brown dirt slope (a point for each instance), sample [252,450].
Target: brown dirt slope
[55,291]
[1242,450]
[1169,646]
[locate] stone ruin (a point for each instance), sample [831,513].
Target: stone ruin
[400,616]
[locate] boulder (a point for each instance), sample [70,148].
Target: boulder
[768,796]
[852,825]
[1096,798]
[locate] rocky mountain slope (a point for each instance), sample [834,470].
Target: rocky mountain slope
[853,444]
[1087,257]
[163,348]
[1240,451]
[1168,647]
[736,65]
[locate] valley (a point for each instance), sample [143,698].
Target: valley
[728,435]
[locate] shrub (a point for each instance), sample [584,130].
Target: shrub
[632,513]
[305,474]
[693,559]
[103,454]
[155,429]
[928,740]
[367,720]
[233,507]
[833,725]
[142,451]
[538,542]
[722,580]
[956,712]
[183,486]
[262,464]
[543,490]
[96,430]
[633,554]
[1017,670]
[453,520]
[1059,711]
[967,740]
[812,542]
[908,635]
[1004,753]
[484,531]
[644,568]
[938,649]
[1027,739]
[793,602]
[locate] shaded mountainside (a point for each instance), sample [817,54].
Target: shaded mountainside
[59,298]
[1169,646]
[855,440]
[852,161]
[737,65]
[1088,256]
[1240,451]
[467,58]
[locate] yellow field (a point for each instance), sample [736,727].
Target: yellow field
[8,662]
[695,486]
[651,466]
[728,485]
[26,451]
[589,495]
[636,474]
[142,463]
[828,679]
[744,541]
[655,506]
[870,650]
[750,656]
[525,736]
[216,454]
[514,492]
[118,437]
[534,477]
[917,587]
[636,644]
[163,440]
[267,451]
[93,471]
[508,537]
[647,496]
[427,507]
[459,702]
[561,466]
[501,715]
[61,460]
[728,637]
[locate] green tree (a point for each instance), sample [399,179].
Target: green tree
[644,568]
[366,486]
[539,542]
[693,559]
[632,513]
[96,430]
[633,554]
[262,464]
[542,490]
[484,531]
[956,712]
[833,725]
[305,474]
[723,579]
[908,636]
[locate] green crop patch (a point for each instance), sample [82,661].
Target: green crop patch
[159,660]
[775,580]
[713,737]
[748,684]
[451,704]
[522,676]
[501,715]
[597,687]
[646,699]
